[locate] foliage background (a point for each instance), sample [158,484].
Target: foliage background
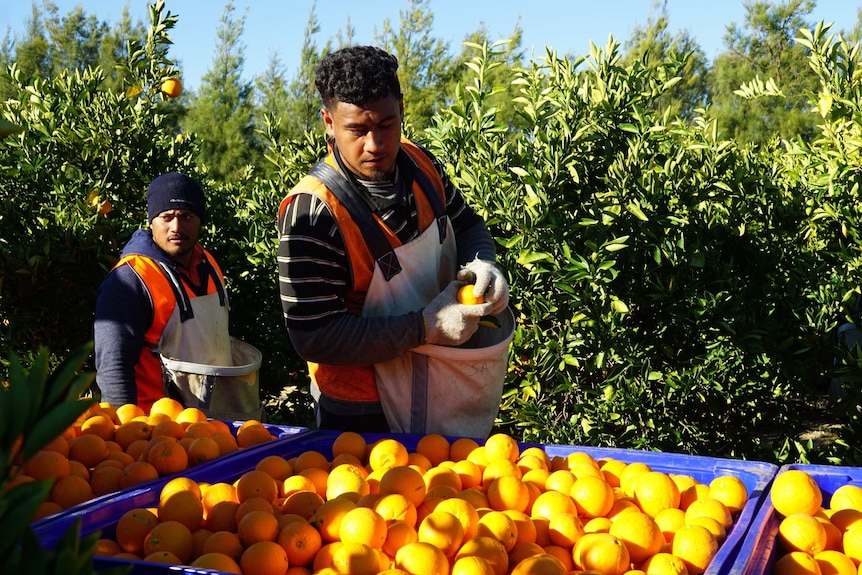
[677,280]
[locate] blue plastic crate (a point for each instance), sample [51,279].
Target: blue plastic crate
[759,550]
[278,431]
[756,476]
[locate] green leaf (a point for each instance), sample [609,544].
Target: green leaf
[52,424]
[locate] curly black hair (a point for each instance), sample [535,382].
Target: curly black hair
[357,75]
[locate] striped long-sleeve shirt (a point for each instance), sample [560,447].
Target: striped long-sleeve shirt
[314,274]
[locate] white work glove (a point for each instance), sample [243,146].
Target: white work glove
[489,283]
[448,322]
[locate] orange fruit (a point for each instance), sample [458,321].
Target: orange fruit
[524,524]
[363,525]
[70,491]
[560,480]
[691,494]
[601,552]
[437,476]
[226,441]
[468,472]
[468,297]
[730,490]
[835,563]
[138,472]
[133,527]
[523,550]
[443,530]
[226,542]
[795,491]
[106,548]
[180,484]
[345,479]
[216,493]
[128,411]
[846,496]
[398,534]
[59,444]
[167,406]
[303,503]
[191,415]
[421,558]
[253,504]
[472,565]
[202,450]
[501,446]
[508,492]
[404,480]
[654,491]
[353,558]
[350,442]
[217,561]
[851,542]
[435,447]
[318,477]
[387,453]
[100,425]
[221,516]
[310,459]
[640,533]
[168,428]
[464,512]
[598,525]
[461,448]
[499,526]
[46,509]
[301,541]
[89,449]
[396,507]
[489,549]
[713,526]
[276,466]
[543,564]
[130,431]
[593,496]
[172,537]
[105,480]
[296,483]
[629,475]
[253,435]
[327,518]
[171,87]
[844,519]
[669,521]
[47,464]
[563,554]
[256,483]
[564,529]
[710,507]
[264,558]
[551,502]
[663,563]
[796,563]
[696,546]
[168,457]
[163,557]
[611,469]
[257,526]
[183,506]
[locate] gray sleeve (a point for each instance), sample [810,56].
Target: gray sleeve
[123,315]
[350,340]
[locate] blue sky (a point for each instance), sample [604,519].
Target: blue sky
[277,26]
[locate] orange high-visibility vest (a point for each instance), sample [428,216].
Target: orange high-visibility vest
[357,382]
[148,370]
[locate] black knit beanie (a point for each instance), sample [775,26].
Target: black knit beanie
[175,191]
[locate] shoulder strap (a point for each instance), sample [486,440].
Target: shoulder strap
[183,301]
[383,253]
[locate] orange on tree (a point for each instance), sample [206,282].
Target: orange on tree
[171,87]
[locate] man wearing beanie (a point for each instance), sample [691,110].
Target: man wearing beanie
[166,292]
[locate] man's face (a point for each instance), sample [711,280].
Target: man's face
[176,232]
[368,137]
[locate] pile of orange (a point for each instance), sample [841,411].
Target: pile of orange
[443,508]
[814,539]
[111,448]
